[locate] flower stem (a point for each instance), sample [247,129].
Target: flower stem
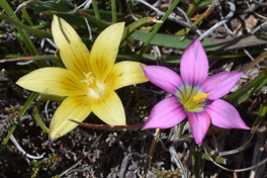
[113,11]
[181,128]
[101,24]
[194,163]
[29,58]
[95,9]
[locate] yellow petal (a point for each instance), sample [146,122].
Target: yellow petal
[110,110]
[53,81]
[126,73]
[73,51]
[105,50]
[73,107]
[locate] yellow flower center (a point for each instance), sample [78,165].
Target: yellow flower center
[193,99]
[95,89]
[200,97]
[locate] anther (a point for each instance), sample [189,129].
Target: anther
[200,97]
[90,79]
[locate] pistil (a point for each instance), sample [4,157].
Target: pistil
[89,79]
[95,89]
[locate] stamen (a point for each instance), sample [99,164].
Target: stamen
[200,97]
[85,82]
[87,75]
[90,79]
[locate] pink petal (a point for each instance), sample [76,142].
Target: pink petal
[220,84]
[165,114]
[224,115]
[163,77]
[199,123]
[194,63]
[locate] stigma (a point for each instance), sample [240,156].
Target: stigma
[89,79]
[95,89]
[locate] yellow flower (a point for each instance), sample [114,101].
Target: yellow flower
[89,80]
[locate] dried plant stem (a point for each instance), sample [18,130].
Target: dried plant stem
[108,127]
[91,18]
[80,161]
[223,21]
[28,58]
[235,170]
[151,150]
[255,62]
[177,161]
[12,138]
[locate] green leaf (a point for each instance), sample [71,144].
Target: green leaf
[207,156]
[7,137]
[179,42]
[135,25]
[50,97]
[59,5]
[38,119]
[23,111]
[157,27]
[246,91]
[23,33]
[261,114]
[27,104]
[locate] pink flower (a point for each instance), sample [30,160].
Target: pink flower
[195,96]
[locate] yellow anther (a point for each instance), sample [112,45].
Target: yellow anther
[200,97]
[85,82]
[87,75]
[90,79]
